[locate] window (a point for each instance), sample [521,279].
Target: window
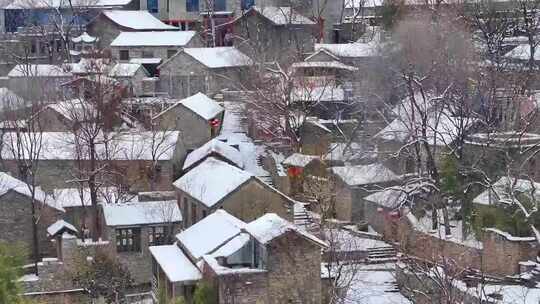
[193,213]
[220,5]
[192,5]
[204,213]
[124,55]
[158,236]
[152,6]
[246,4]
[128,239]
[170,53]
[147,54]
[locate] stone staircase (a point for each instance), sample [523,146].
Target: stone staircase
[383,254]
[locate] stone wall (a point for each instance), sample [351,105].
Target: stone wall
[243,288]
[502,253]
[16,223]
[294,273]
[432,248]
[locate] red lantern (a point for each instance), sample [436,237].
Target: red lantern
[294,171]
[214,122]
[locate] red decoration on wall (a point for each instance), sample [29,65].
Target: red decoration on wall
[294,171]
[214,122]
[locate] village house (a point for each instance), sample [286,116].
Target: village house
[276,33]
[134,226]
[301,169]
[135,155]
[77,203]
[216,149]
[130,76]
[198,117]
[215,184]
[353,183]
[16,221]
[206,70]
[37,81]
[158,45]
[242,261]
[109,24]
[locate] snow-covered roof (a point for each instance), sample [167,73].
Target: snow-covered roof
[161,38]
[137,20]
[505,189]
[217,147]
[299,160]
[51,4]
[210,233]
[211,181]
[175,264]
[74,109]
[125,69]
[389,198]
[202,105]
[59,225]
[324,64]
[356,49]
[348,152]
[442,128]
[84,37]
[218,57]
[363,3]
[199,104]
[270,226]
[145,60]
[118,146]
[282,15]
[141,213]
[10,183]
[319,93]
[364,174]
[232,246]
[522,52]
[38,70]
[71,197]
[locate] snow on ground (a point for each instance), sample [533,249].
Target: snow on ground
[369,284]
[374,287]
[344,240]
[234,132]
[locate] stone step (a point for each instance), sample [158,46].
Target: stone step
[380,260]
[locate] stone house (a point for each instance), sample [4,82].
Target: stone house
[16,215]
[162,44]
[76,203]
[215,184]
[109,24]
[206,70]
[302,169]
[216,149]
[37,81]
[198,117]
[145,165]
[132,227]
[251,262]
[130,76]
[275,33]
[498,151]
[353,183]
